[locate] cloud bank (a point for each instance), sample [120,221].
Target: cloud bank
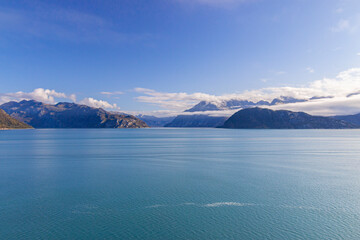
[174,101]
[328,96]
[325,107]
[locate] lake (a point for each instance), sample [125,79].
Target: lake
[179,184]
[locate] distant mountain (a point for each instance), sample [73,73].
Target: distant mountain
[68,115]
[239,104]
[217,106]
[196,121]
[204,106]
[7,122]
[354,119]
[152,121]
[253,118]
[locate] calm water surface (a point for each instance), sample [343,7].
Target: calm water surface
[179,184]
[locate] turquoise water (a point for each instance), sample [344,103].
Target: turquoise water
[179,184]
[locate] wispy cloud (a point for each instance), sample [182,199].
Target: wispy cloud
[112,93]
[280,72]
[342,25]
[350,25]
[339,10]
[310,70]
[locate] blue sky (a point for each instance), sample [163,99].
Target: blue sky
[138,54]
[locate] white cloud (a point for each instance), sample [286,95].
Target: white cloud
[358,54]
[98,103]
[52,97]
[112,93]
[177,101]
[310,70]
[342,25]
[39,94]
[345,83]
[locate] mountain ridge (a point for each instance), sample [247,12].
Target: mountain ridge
[68,115]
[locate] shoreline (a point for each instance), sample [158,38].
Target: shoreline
[15,128]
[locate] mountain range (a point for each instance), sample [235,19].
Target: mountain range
[239,104]
[205,120]
[68,115]
[30,113]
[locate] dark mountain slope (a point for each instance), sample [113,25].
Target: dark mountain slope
[254,118]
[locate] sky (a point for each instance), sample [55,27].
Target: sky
[163,56]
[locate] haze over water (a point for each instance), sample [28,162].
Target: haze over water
[179,184]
